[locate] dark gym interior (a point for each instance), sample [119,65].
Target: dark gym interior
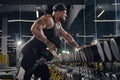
[92,23]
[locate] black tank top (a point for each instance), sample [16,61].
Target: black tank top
[52,34]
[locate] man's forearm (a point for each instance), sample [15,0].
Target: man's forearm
[70,40]
[40,36]
[73,43]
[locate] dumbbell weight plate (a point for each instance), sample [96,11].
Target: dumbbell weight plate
[115,49]
[107,50]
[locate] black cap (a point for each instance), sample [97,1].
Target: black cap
[59,7]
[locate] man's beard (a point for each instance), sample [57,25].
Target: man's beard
[62,20]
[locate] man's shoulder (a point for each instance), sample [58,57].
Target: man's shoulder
[47,16]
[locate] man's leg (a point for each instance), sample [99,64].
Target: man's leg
[27,75]
[42,72]
[24,74]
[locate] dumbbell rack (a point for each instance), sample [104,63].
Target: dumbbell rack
[89,63]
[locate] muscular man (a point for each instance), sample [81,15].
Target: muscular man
[46,37]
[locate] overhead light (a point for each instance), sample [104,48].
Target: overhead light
[116,4]
[10,40]
[37,13]
[26,36]
[101,13]
[84,35]
[111,35]
[107,20]
[20,20]
[63,51]
[19,43]
[67,52]
[38,7]
[6,36]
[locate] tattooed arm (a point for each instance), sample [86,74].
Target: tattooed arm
[37,30]
[70,39]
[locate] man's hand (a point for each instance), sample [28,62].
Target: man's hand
[55,54]
[41,61]
[50,46]
[80,47]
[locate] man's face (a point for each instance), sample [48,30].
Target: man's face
[63,15]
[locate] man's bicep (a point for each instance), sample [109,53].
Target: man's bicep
[38,24]
[67,36]
[63,32]
[41,22]
[36,29]
[35,26]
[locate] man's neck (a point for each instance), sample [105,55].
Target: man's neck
[57,20]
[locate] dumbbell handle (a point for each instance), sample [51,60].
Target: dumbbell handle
[54,53]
